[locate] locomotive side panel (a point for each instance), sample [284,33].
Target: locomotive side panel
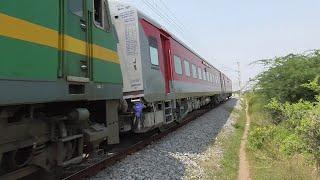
[104,63]
[24,54]
[29,51]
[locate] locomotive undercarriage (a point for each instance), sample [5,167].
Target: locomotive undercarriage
[52,136]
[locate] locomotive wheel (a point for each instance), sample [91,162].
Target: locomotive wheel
[17,159]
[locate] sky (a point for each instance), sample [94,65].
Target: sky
[225,32]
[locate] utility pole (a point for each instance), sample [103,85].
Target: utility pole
[239,77]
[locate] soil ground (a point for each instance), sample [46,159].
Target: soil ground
[244,173]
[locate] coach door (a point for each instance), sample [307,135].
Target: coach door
[167,61]
[75,41]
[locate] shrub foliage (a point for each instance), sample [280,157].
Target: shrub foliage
[290,86]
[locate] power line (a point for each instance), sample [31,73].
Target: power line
[165,17]
[172,14]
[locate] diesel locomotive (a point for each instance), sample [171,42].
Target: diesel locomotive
[75,74]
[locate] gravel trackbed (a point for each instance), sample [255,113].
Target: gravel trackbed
[176,155]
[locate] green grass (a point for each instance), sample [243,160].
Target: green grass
[230,146]
[268,163]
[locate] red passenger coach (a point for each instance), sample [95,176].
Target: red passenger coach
[185,73]
[163,79]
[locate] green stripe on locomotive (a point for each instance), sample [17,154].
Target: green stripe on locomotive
[26,60]
[42,12]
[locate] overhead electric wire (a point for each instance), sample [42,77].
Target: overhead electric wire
[166,18]
[173,15]
[162,15]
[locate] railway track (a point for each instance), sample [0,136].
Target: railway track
[93,166]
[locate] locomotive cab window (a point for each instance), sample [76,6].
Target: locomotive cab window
[98,13]
[76,7]
[153,50]
[107,24]
[177,65]
[187,68]
[101,15]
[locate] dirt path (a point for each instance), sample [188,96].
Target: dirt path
[244,173]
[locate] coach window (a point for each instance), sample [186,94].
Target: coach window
[177,65]
[200,72]
[187,68]
[194,71]
[204,75]
[154,53]
[76,7]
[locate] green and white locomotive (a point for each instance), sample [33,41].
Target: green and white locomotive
[58,67]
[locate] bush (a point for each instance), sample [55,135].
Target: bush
[259,136]
[291,92]
[295,129]
[310,131]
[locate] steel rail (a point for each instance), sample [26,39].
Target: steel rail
[94,169]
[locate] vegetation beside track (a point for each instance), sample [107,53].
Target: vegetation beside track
[284,138]
[229,144]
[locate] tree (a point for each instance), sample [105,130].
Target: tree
[285,77]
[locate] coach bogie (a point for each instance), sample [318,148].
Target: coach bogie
[147,116]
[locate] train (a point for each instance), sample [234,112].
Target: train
[76,74]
